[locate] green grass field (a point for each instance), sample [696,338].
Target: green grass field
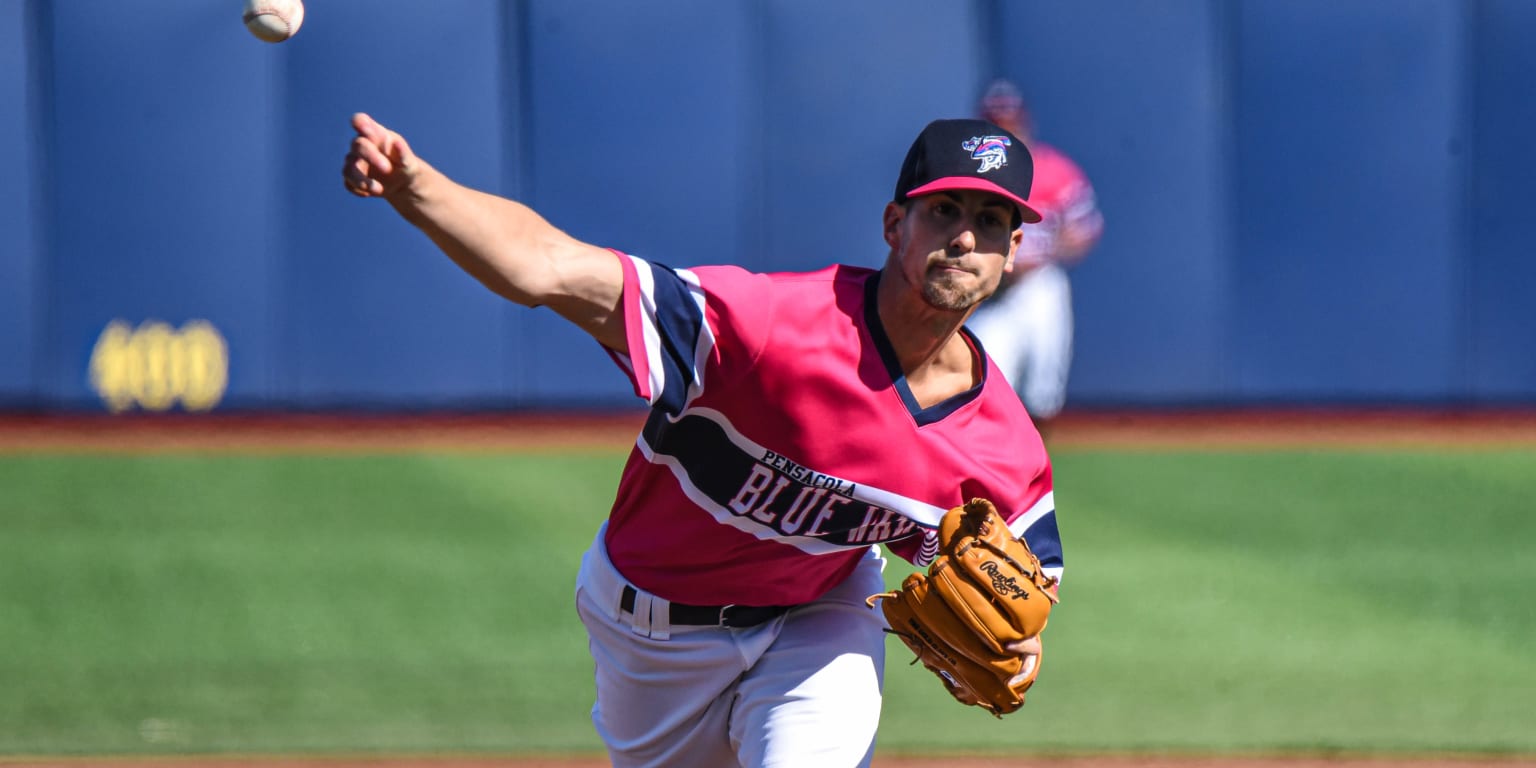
[1266,600]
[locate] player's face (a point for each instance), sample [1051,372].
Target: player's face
[954,246]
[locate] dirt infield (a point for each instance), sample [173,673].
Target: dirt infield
[1233,429]
[1022,761]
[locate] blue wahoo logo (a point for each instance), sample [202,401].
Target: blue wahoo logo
[933,165]
[992,151]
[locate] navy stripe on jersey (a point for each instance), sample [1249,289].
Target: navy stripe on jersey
[932,414]
[770,496]
[1037,527]
[1045,541]
[678,309]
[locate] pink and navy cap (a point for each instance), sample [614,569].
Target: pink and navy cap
[968,154]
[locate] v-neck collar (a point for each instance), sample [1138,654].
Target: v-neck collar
[937,411]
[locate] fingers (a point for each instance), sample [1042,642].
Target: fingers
[378,161]
[368,164]
[358,183]
[354,174]
[1031,665]
[371,157]
[369,128]
[364,158]
[363,165]
[1030,645]
[1029,651]
[392,144]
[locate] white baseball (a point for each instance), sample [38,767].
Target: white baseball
[273,20]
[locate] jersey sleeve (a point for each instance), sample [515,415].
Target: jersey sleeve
[1032,519]
[1066,199]
[1031,514]
[686,329]
[1080,209]
[1036,525]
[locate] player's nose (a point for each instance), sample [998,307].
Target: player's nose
[963,241]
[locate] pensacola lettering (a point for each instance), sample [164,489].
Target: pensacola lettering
[819,505]
[807,476]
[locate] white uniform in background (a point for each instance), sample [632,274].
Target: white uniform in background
[1027,326]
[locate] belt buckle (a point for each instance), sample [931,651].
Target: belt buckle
[724,619]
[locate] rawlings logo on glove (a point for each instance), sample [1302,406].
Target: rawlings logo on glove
[1002,584]
[978,598]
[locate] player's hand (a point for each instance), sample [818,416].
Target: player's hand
[380,163]
[1030,650]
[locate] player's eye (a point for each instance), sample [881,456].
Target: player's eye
[991,221]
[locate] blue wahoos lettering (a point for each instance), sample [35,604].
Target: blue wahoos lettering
[771,489]
[807,510]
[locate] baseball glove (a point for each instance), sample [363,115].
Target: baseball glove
[983,591]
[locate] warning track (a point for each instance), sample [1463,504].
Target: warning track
[539,432]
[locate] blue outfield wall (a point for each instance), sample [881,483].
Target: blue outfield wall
[21,257]
[371,314]
[1500,358]
[1307,201]
[1351,237]
[1139,95]
[164,199]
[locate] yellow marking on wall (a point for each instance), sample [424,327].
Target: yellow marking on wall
[156,367]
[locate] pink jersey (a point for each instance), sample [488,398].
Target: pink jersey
[1063,196]
[783,440]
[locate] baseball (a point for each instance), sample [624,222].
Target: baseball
[273,20]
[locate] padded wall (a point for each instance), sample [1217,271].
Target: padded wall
[1351,194]
[20,254]
[371,313]
[1306,201]
[164,202]
[1501,358]
[1137,95]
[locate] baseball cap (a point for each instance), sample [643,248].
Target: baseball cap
[968,154]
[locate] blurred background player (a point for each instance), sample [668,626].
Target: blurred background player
[1026,326]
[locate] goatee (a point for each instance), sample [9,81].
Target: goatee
[947,294]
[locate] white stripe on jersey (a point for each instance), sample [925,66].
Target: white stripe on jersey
[706,345]
[1043,507]
[652,337]
[658,374]
[928,551]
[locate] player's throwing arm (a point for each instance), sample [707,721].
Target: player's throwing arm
[505,245]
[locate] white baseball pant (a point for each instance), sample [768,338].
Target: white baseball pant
[799,690]
[1027,331]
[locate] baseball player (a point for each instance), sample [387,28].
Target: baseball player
[1027,326]
[798,421]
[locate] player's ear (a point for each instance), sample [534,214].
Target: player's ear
[894,213]
[1015,239]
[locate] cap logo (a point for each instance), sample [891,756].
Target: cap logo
[992,151]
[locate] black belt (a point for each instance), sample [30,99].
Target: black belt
[711,615]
